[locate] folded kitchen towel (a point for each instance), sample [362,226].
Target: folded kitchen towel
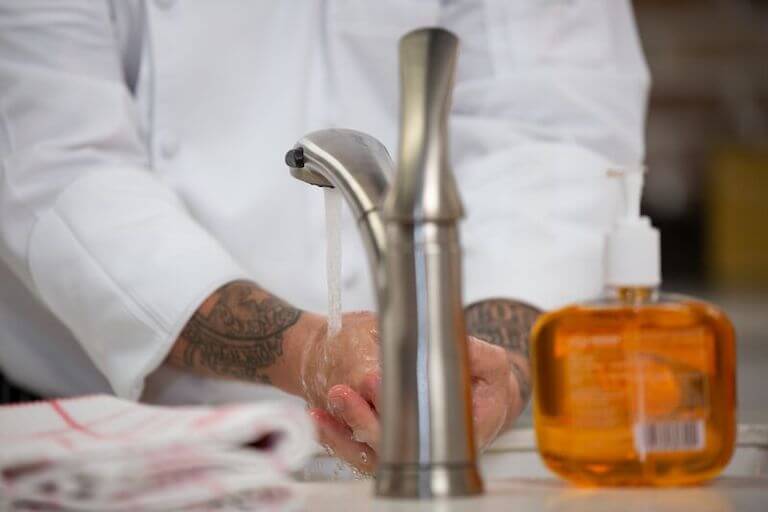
[101,453]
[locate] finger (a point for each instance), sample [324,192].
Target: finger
[489,413]
[487,362]
[338,439]
[494,405]
[348,406]
[369,389]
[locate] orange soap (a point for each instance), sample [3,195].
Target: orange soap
[637,388]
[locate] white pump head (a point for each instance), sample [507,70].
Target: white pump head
[633,247]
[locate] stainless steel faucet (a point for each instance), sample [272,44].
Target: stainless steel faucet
[410,228]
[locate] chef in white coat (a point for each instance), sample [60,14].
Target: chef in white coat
[148,224]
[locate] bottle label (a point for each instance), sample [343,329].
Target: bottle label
[670,436]
[654,384]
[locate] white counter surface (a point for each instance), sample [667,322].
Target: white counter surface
[730,494]
[517,480]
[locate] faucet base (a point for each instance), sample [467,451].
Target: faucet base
[435,481]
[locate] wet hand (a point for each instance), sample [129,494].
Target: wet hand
[351,358]
[348,424]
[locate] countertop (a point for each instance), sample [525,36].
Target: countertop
[516,480]
[728,494]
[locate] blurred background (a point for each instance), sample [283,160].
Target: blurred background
[707,155]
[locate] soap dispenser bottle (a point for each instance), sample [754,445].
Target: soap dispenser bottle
[636,387]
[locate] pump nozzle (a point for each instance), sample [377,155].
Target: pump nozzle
[633,247]
[632,179]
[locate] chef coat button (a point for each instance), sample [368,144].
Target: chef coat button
[165,4]
[169,146]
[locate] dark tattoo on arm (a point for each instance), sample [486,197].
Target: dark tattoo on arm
[506,323]
[240,335]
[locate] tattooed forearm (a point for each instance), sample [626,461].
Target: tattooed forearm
[506,323]
[237,333]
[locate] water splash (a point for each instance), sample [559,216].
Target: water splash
[359,475]
[333,258]
[339,469]
[360,436]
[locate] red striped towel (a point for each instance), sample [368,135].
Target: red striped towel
[104,454]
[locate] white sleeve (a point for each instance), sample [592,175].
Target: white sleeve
[548,95]
[83,221]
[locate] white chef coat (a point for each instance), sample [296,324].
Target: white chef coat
[142,146]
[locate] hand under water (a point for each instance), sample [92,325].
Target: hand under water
[341,380]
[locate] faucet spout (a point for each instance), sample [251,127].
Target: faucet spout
[360,167]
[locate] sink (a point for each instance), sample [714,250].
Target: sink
[514,455]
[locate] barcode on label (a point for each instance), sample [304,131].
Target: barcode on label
[670,436]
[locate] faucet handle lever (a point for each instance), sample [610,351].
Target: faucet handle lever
[424,188]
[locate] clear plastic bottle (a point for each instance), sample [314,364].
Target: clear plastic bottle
[638,387]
